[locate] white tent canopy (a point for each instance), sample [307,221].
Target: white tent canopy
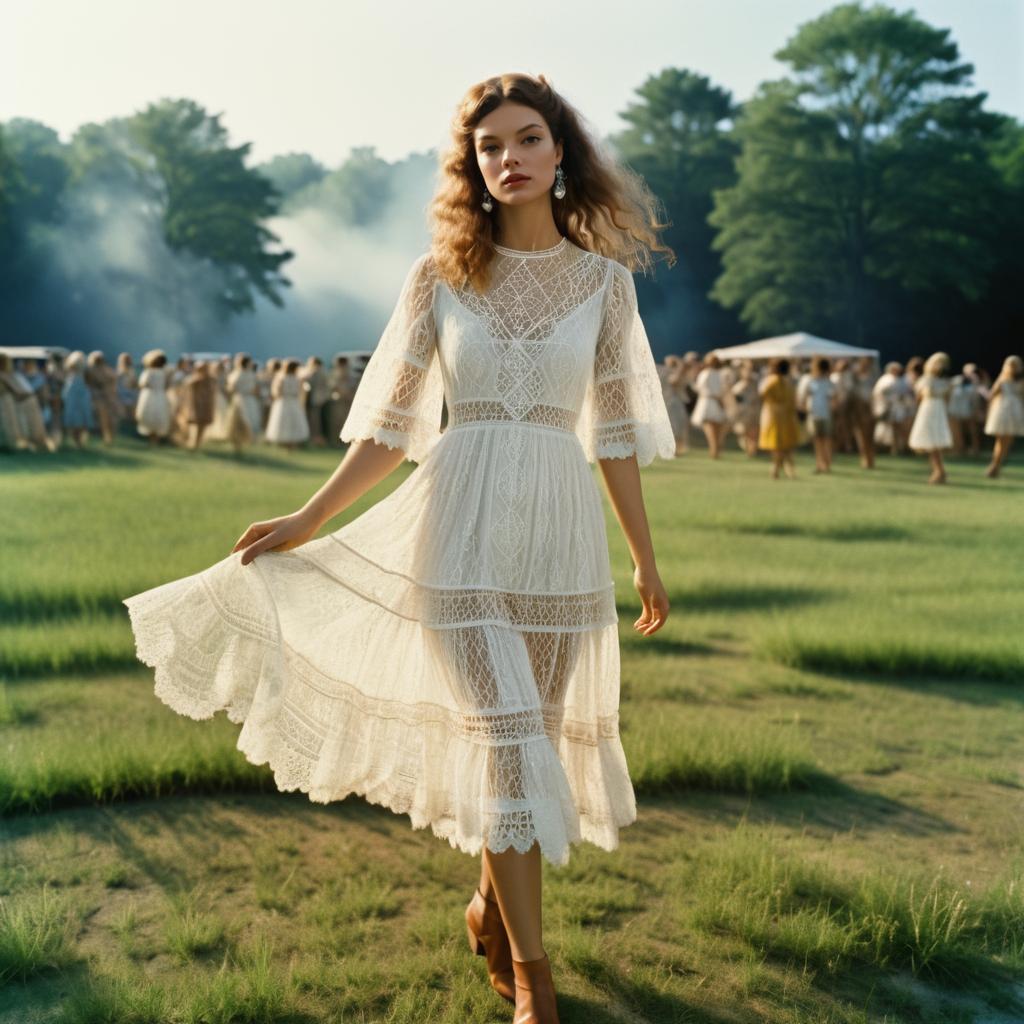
[793,346]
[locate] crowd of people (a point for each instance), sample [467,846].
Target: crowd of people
[283,402]
[845,405]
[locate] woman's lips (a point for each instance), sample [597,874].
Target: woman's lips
[516,181]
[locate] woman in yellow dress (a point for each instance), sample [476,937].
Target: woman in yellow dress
[778,432]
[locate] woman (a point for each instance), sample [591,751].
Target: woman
[244,383]
[671,374]
[1005,419]
[317,384]
[101,379]
[200,392]
[748,410]
[79,414]
[709,413]
[287,424]
[340,401]
[816,395]
[862,422]
[127,389]
[13,393]
[930,432]
[779,429]
[153,411]
[240,387]
[457,642]
[218,428]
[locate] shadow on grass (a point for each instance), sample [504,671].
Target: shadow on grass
[853,533]
[713,598]
[657,644]
[829,805]
[128,453]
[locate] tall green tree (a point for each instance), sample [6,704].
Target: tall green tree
[864,176]
[213,206]
[679,140]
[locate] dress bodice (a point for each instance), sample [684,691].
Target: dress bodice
[152,378]
[525,349]
[932,387]
[554,340]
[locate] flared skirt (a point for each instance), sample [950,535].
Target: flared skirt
[401,658]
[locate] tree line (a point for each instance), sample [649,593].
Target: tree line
[866,196]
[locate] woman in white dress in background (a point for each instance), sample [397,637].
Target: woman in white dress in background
[452,653]
[930,432]
[153,408]
[218,429]
[747,421]
[1005,419]
[287,424]
[709,412]
[244,383]
[670,373]
[238,428]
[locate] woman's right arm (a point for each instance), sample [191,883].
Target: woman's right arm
[364,465]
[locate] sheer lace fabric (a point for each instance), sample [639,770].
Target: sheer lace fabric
[452,653]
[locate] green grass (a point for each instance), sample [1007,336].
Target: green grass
[825,741]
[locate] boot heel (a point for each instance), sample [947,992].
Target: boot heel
[475,945]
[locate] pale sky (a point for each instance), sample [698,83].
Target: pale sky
[323,76]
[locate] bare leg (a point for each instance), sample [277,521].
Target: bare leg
[999,452]
[819,454]
[711,433]
[776,463]
[787,463]
[486,885]
[517,885]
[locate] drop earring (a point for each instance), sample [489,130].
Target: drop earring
[559,189]
[488,203]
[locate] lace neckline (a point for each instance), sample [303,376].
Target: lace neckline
[531,253]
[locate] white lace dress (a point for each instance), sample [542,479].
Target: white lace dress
[287,423]
[452,653]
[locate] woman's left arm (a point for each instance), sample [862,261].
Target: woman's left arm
[622,479]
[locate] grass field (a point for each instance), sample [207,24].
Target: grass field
[826,741]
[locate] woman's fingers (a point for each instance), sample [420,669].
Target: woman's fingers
[257,548]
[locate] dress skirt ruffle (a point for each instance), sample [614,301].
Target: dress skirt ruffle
[451,654]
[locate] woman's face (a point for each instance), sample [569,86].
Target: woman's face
[515,140]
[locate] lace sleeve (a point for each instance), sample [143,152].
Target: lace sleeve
[399,397]
[625,411]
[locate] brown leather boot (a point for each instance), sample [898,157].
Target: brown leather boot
[535,992]
[488,937]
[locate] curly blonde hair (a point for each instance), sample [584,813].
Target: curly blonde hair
[607,208]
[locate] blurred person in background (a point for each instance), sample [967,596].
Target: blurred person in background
[779,430]
[709,412]
[339,402]
[816,395]
[78,412]
[1005,419]
[153,408]
[748,408]
[287,424]
[127,389]
[930,432]
[317,391]
[101,379]
[670,375]
[199,389]
[862,422]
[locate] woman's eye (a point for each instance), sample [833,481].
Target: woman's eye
[490,145]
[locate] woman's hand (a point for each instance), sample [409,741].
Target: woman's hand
[281,534]
[654,599]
